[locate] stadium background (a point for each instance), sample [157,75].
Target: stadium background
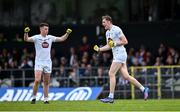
[151,26]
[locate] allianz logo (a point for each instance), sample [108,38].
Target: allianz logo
[80,93]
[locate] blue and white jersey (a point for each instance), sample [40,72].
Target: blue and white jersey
[119,52]
[43,46]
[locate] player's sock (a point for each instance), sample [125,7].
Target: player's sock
[33,97]
[111,95]
[46,99]
[33,101]
[142,88]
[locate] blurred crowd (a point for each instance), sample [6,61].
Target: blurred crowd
[165,55]
[82,61]
[84,56]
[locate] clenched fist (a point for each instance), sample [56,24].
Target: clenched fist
[68,31]
[110,42]
[96,48]
[26,30]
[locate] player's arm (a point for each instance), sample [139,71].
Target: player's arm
[105,48]
[64,37]
[122,41]
[101,49]
[26,36]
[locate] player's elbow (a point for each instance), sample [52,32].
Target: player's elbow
[126,42]
[25,39]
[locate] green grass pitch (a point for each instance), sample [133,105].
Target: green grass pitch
[118,105]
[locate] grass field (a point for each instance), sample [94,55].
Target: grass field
[118,105]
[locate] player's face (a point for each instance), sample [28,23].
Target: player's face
[106,24]
[44,30]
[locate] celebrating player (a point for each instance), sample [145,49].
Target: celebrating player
[43,63]
[116,41]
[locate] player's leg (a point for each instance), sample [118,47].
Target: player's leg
[46,79]
[115,66]
[38,74]
[126,76]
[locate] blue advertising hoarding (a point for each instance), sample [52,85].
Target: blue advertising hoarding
[25,94]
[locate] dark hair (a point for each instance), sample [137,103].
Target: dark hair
[107,17]
[43,24]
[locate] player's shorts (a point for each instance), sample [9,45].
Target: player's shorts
[120,57]
[44,66]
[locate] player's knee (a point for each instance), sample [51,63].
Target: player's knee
[46,82]
[37,81]
[127,77]
[111,74]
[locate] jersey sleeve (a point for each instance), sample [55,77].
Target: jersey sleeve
[34,38]
[119,33]
[53,38]
[107,36]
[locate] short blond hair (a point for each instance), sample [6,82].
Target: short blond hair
[107,17]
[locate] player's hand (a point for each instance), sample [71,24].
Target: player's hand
[96,48]
[26,30]
[110,42]
[68,31]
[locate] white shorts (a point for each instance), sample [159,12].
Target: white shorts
[120,57]
[44,66]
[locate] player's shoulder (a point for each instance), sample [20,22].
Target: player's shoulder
[107,32]
[50,36]
[116,27]
[36,36]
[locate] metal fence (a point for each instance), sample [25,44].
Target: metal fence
[163,81]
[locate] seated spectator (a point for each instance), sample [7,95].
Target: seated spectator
[73,74]
[88,70]
[100,72]
[73,58]
[25,64]
[94,60]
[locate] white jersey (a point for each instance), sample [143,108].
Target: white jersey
[43,47]
[119,52]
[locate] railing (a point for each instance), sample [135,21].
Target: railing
[163,81]
[22,77]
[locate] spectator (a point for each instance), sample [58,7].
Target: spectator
[73,74]
[100,72]
[85,46]
[88,70]
[162,52]
[169,60]
[18,38]
[106,58]
[95,60]
[2,38]
[63,62]
[25,54]
[158,62]
[25,64]
[73,56]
